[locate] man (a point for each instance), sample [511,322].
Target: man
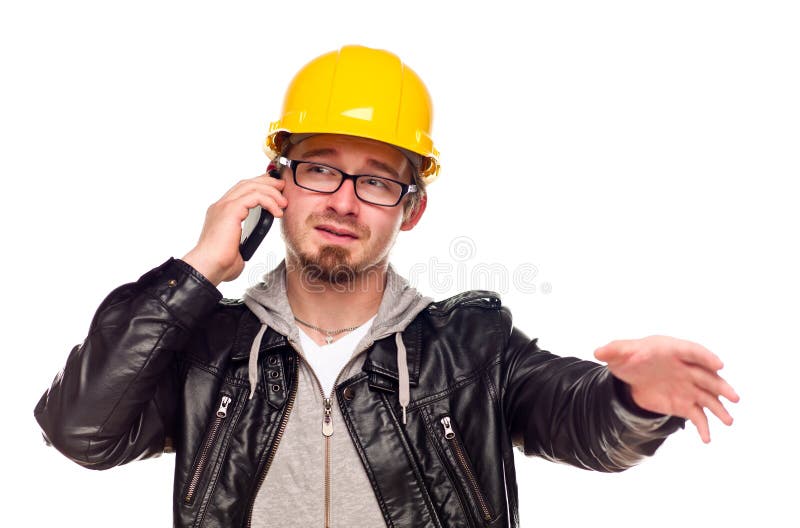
[334,393]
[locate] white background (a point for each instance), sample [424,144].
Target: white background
[643,156]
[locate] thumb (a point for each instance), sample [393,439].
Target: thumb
[606,353]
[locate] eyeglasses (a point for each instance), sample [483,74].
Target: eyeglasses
[321,178]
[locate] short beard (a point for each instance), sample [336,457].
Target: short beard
[329,266]
[331,263]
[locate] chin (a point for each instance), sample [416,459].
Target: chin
[335,265]
[329,264]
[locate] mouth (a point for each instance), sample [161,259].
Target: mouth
[339,233]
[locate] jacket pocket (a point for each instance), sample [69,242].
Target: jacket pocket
[448,431]
[206,448]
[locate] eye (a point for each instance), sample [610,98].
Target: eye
[378,183]
[319,169]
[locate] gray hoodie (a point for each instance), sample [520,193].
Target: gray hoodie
[293,493]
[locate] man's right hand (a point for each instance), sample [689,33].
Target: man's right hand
[216,254]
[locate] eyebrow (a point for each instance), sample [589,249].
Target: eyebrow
[371,162]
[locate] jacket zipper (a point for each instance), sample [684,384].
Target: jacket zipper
[450,435]
[274,448]
[205,450]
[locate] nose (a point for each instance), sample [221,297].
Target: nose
[344,201]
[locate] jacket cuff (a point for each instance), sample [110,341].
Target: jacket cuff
[186,293]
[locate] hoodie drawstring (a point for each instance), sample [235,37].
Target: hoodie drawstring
[399,306]
[402,368]
[252,363]
[402,374]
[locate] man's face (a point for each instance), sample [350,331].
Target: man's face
[373,228]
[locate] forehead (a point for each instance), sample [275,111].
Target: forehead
[354,152]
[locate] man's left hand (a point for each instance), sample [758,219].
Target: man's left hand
[671,376]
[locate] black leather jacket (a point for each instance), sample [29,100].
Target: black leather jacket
[164,368]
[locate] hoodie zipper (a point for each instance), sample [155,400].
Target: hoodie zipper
[327,426]
[327,433]
[205,450]
[452,440]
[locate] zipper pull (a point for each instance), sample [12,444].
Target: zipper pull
[448,429]
[327,421]
[223,407]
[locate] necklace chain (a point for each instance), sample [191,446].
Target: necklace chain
[328,333]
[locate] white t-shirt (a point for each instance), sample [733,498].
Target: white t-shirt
[328,360]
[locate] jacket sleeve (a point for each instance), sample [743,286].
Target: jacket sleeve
[575,411]
[115,399]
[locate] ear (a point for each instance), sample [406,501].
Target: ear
[409,224]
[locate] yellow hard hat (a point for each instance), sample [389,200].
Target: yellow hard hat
[363,92]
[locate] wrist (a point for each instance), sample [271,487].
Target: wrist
[203,266]
[625,396]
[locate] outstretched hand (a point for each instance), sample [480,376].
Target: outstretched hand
[671,376]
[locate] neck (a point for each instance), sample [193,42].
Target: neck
[334,306]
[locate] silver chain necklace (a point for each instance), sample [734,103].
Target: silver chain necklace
[328,333]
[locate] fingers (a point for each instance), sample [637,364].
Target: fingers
[257,192]
[713,404]
[269,198]
[710,387]
[698,418]
[262,180]
[728,391]
[708,399]
[699,355]
[713,383]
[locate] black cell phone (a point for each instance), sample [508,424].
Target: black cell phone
[256,225]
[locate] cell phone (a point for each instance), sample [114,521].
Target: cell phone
[256,225]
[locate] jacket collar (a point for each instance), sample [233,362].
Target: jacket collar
[248,328]
[399,306]
[381,362]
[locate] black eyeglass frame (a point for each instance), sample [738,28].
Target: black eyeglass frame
[292,164]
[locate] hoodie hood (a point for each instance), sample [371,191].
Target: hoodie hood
[399,306]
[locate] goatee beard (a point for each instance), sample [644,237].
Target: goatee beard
[330,266]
